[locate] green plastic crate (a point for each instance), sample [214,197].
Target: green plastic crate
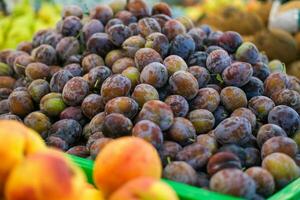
[186,192]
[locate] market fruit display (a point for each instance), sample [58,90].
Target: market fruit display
[207,103]
[30,157]
[123,165]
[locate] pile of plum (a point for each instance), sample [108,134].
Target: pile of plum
[219,117]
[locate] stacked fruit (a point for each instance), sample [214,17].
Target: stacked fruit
[23,170]
[206,100]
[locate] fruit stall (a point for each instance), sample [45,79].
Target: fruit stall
[149,100]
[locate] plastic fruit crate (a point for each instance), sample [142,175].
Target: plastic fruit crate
[186,192]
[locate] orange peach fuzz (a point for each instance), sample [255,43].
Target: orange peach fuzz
[144,188]
[46,175]
[125,159]
[16,142]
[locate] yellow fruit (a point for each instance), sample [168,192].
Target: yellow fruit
[144,188]
[16,142]
[46,175]
[277,44]
[91,193]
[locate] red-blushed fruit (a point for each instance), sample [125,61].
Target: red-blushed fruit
[19,139]
[64,182]
[122,165]
[144,188]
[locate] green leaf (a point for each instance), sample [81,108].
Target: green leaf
[283,68]
[219,78]
[169,160]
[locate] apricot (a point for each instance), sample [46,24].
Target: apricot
[91,193]
[125,159]
[46,175]
[16,142]
[144,188]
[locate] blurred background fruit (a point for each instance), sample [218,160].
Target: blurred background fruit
[203,102]
[25,18]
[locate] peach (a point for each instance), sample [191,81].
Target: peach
[125,159]
[144,188]
[16,142]
[91,193]
[46,175]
